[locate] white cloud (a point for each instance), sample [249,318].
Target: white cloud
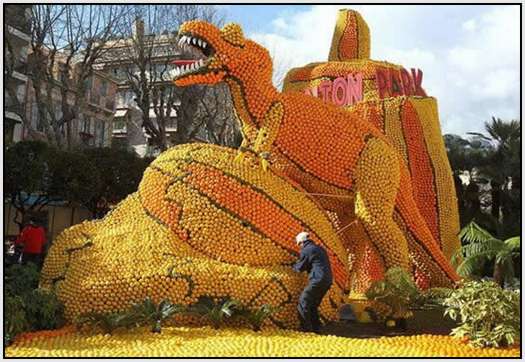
[470,25]
[471,64]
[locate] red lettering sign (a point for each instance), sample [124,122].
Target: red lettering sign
[408,86]
[417,78]
[354,92]
[383,83]
[394,83]
[341,92]
[324,88]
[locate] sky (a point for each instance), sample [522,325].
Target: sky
[469,54]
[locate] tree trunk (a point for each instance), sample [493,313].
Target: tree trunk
[499,276]
[496,199]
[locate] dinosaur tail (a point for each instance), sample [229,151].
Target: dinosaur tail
[428,256]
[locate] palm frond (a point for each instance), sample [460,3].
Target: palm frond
[503,256]
[457,257]
[513,243]
[469,265]
[491,246]
[229,306]
[472,232]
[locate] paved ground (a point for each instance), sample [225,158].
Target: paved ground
[423,322]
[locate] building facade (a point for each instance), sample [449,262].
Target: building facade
[16,47]
[93,124]
[127,125]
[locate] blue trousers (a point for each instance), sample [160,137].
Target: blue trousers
[309,302]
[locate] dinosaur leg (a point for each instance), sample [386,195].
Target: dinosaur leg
[377,176]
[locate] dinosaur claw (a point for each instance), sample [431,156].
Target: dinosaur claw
[239,157]
[264,164]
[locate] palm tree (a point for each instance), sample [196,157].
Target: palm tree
[502,166]
[149,313]
[482,246]
[216,312]
[495,158]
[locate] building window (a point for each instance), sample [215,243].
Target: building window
[171,122]
[119,124]
[99,132]
[95,98]
[103,88]
[110,103]
[87,84]
[34,115]
[86,125]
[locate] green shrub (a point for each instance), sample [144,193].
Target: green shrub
[26,307]
[148,312]
[107,322]
[21,279]
[15,321]
[433,298]
[216,313]
[256,317]
[44,310]
[489,315]
[393,296]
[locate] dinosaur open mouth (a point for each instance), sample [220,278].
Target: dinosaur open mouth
[199,50]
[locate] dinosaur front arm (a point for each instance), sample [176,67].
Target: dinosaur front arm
[269,129]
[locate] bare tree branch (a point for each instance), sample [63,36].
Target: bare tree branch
[66,37]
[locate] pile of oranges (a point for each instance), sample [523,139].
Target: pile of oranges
[240,342]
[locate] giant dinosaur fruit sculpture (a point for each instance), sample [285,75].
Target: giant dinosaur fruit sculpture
[208,220]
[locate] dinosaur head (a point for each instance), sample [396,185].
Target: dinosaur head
[219,54]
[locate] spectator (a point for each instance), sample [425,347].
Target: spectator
[32,239]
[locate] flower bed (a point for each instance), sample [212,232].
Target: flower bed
[228,342]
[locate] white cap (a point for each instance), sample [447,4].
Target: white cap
[302,237]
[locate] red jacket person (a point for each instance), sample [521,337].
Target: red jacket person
[33,239]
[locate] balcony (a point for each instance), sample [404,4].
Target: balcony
[22,78]
[18,38]
[119,123]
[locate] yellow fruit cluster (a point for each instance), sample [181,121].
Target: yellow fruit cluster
[200,224]
[229,342]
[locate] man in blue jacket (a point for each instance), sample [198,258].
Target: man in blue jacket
[314,260]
